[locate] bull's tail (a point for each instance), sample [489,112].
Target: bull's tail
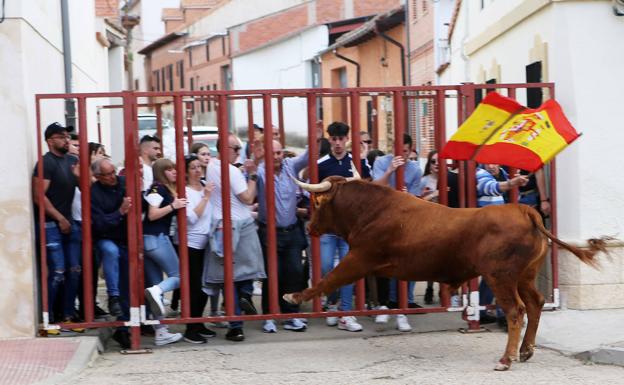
[587,256]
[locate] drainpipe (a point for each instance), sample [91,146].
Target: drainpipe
[356,64]
[391,40]
[70,107]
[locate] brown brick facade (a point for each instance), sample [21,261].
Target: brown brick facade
[106,8]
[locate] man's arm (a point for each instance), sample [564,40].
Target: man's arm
[49,209]
[381,176]
[540,179]
[249,195]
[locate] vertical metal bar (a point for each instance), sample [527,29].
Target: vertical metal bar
[250,126]
[178,115]
[228,258]
[159,126]
[40,196]
[85,190]
[399,129]
[99,126]
[467,90]
[554,221]
[133,218]
[354,98]
[189,126]
[439,111]
[513,193]
[375,117]
[280,114]
[461,169]
[271,224]
[315,247]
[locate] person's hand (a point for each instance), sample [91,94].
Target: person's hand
[397,162]
[64,226]
[519,180]
[208,189]
[179,203]
[125,205]
[250,167]
[545,207]
[76,170]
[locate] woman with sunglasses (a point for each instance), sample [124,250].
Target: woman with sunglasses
[160,256]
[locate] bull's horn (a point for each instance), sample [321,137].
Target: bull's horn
[356,174]
[313,187]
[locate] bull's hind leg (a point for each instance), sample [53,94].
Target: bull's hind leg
[534,302]
[505,290]
[349,270]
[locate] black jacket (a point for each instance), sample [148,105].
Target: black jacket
[108,223]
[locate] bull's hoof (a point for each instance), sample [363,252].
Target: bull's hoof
[525,356]
[501,367]
[291,298]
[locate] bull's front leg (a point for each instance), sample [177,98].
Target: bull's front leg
[350,269]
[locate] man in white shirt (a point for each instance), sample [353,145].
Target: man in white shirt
[150,150]
[249,264]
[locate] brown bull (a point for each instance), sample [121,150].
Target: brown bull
[393,234]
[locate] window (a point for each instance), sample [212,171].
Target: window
[425,6]
[156,80]
[192,81]
[181,72]
[534,75]
[162,79]
[170,71]
[201,101]
[223,45]
[207,51]
[190,57]
[414,10]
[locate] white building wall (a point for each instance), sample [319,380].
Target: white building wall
[285,64]
[31,61]
[583,57]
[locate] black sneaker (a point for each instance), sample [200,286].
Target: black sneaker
[147,330]
[247,306]
[99,312]
[205,332]
[235,334]
[487,319]
[194,337]
[122,337]
[114,306]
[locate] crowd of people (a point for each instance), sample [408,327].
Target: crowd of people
[111,203]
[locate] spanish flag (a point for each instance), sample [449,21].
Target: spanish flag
[502,131]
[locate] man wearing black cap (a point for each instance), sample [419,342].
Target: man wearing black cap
[63,238]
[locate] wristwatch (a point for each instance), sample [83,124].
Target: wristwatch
[253,177]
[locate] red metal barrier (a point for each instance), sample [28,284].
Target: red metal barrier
[440,95]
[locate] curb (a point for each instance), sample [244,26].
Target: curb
[609,355]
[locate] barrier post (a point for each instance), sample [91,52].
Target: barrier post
[315,247]
[271,224]
[399,129]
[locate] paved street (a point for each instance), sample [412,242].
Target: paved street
[434,353]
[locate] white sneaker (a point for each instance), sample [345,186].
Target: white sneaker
[332,321]
[269,326]
[163,337]
[295,325]
[402,324]
[382,318]
[153,295]
[350,324]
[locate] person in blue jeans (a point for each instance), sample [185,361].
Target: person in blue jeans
[109,209]
[63,235]
[160,256]
[338,162]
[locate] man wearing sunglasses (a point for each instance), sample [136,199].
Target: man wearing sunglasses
[384,173]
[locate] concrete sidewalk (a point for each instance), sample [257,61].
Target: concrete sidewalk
[433,353]
[593,335]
